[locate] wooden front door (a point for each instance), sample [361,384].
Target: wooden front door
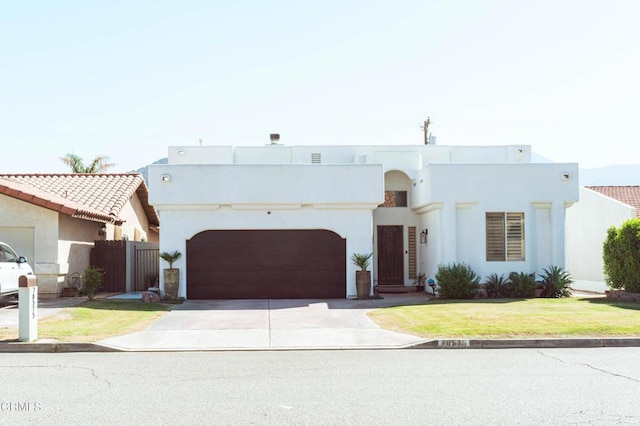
[390,255]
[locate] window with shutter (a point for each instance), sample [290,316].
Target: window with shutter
[505,236]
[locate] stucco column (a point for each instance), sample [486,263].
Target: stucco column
[448,238]
[558,214]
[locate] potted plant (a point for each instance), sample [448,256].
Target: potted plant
[363,276]
[172,275]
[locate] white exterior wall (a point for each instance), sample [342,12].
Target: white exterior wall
[449,191]
[330,197]
[587,225]
[455,197]
[400,157]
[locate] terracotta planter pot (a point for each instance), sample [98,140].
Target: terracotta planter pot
[171,283]
[363,284]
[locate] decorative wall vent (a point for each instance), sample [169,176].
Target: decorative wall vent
[316,158]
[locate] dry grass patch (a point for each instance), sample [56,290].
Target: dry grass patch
[97,320]
[504,318]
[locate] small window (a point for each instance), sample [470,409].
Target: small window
[394,199]
[505,236]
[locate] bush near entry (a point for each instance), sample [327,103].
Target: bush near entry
[621,256]
[457,281]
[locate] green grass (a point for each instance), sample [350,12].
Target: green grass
[97,320]
[509,318]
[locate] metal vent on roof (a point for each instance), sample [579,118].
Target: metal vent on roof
[316,158]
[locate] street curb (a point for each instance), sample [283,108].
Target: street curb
[35,347]
[56,347]
[527,343]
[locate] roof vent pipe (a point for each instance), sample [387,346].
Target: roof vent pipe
[275,138]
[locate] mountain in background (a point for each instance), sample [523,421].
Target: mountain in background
[144,171]
[621,175]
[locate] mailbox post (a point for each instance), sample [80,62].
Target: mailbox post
[28,308]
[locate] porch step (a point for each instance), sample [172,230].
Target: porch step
[396,289]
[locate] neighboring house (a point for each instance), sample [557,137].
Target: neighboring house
[283,222]
[600,208]
[54,219]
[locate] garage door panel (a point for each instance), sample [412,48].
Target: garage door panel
[256,264]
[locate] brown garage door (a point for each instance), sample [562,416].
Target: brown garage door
[266,264]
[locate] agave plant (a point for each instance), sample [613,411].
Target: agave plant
[497,285]
[556,282]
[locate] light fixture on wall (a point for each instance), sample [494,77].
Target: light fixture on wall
[423,236]
[103,230]
[166,178]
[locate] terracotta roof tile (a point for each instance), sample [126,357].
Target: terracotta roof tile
[629,195]
[100,196]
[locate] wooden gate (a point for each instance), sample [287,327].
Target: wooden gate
[128,265]
[111,257]
[146,266]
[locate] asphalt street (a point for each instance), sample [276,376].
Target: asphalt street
[508,386]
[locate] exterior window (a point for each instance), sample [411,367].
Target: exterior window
[505,236]
[395,199]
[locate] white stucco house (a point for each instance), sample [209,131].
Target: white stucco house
[281,221]
[600,208]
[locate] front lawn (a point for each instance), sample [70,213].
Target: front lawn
[510,318]
[97,320]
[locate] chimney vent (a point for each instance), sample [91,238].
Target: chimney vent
[275,138]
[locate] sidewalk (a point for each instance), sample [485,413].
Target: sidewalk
[333,324]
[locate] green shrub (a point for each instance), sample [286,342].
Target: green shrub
[361,260]
[621,256]
[556,282]
[497,286]
[92,281]
[523,284]
[457,281]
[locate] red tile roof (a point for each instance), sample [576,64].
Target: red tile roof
[629,195]
[98,197]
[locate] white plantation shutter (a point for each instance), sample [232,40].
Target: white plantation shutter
[495,236]
[515,236]
[505,236]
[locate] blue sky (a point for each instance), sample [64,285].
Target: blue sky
[129,78]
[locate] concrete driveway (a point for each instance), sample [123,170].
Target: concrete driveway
[270,324]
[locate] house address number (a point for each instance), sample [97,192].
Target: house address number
[453,344]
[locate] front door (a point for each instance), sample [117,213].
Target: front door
[390,255]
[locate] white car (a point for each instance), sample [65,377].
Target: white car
[12,267]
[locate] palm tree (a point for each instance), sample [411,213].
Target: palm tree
[99,164]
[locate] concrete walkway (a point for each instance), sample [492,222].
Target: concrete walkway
[46,307]
[270,324]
